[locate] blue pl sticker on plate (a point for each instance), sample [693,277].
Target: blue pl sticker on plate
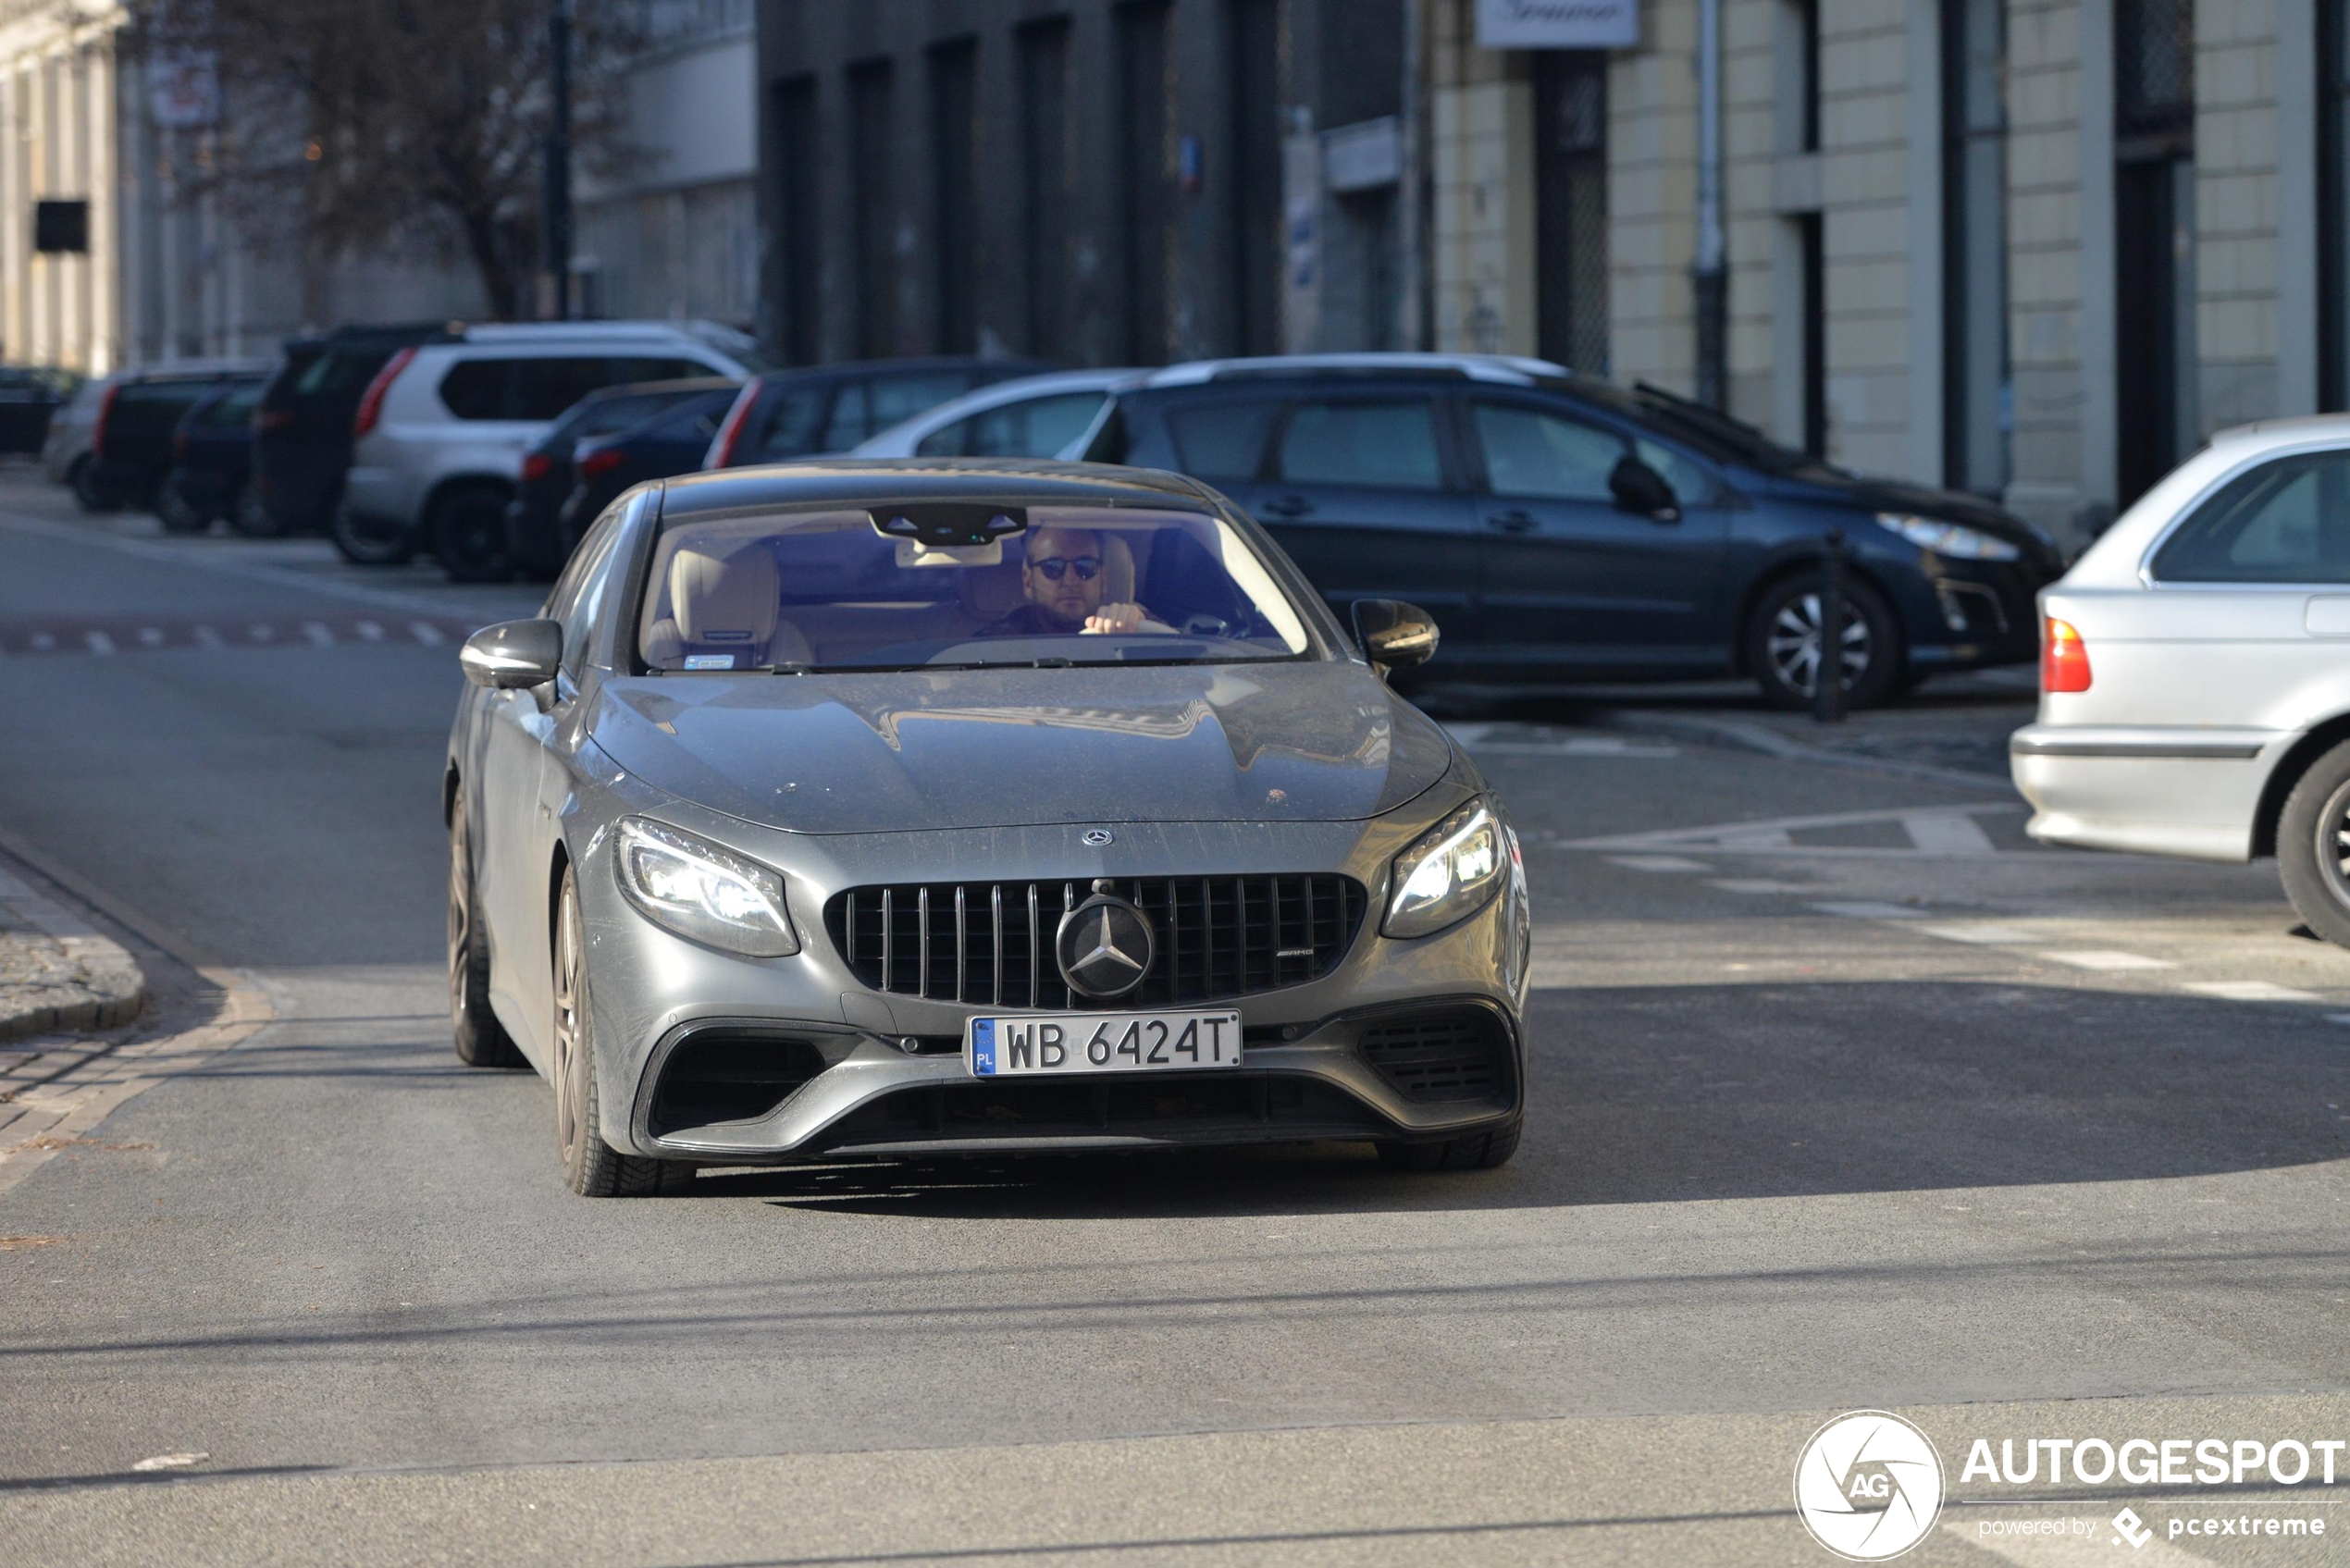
[984,1046]
[710,662]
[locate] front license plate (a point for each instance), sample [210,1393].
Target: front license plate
[1081,1042]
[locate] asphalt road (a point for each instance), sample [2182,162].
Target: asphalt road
[1844,1096]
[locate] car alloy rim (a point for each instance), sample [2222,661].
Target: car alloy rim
[2333,845]
[459,928]
[1794,644]
[567,962]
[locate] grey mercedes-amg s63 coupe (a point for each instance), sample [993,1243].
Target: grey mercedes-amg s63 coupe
[895,810]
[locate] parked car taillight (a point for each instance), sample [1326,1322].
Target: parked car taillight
[2064,658]
[371,406]
[179,444]
[537,467]
[723,448]
[597,464]
[98,430]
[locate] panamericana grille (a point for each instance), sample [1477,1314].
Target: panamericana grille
[992,943]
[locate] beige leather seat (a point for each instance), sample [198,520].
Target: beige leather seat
[725,604]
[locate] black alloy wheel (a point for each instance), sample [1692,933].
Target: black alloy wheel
[249,517]
[592,1167]
[368,541]
[2313,846]
[481,1040]
[1784,640]
[467,531]
[176,513]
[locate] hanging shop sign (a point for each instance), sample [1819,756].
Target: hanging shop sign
[1558,24]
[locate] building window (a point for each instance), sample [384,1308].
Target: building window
[1046,197]
[1571,229]
[872,230]
[1142,65]
[797,158]
[2154,239]
[1977,406]
[1253,30]
[2334,205]
[954,137]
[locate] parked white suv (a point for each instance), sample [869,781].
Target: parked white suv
[441,435]
[2195,670]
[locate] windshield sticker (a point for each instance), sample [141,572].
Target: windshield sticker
[710,662]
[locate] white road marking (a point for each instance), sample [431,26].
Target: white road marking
[42,642]
[1760,839]
[1760,885]
[1657,863]
[1861,909]
[2102,958]
[261,631]
[2338,1018]
[2249,991]
[151,635]
[1947,832]
[99,642]
[171,1461]
[370,631]
[1984,933]
[427,633]
[317,633]
[205,637]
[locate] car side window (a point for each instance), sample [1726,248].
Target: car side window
[2284,522]
[788,422]
[1533,453]
[1222,440]
[847,425]
[1692,484]
[579,592]
[1037,427]
[1388,443]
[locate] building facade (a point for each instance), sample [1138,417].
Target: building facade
[2038,249]
[674,231]
[1085,181]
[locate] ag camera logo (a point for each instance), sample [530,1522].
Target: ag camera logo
[1868,1486]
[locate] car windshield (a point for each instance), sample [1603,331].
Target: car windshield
[959,584]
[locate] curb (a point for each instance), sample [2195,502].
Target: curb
[118,990]
[1766,741]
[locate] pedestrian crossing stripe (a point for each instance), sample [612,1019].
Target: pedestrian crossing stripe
[1933,831]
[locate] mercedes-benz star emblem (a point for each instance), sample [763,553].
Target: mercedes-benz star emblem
[1105,946]
[1096,839]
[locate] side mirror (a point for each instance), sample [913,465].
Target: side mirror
[1640,488]
[1395,635]
[514,654]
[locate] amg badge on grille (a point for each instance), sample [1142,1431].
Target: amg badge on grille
[1105,946]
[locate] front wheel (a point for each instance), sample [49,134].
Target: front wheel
[249,517]
[1477,1151]
[177,513]
[592,1167]
[366,541]
[92,493]
[2313,846]
[481,1040]
[467,528]
[1782,638]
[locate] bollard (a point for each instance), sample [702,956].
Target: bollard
[1827,676]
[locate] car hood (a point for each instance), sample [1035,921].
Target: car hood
[1871,494]
[900,751]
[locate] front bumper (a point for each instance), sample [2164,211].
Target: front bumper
[1972,614]
[847,1071]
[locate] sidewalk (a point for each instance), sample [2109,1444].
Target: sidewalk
[56,972]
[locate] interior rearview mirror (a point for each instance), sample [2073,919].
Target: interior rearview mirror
[1395,635]
[1640,488]
[513,654]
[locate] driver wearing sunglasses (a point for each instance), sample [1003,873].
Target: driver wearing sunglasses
[1062,575]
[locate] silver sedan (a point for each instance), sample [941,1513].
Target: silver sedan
[879,809]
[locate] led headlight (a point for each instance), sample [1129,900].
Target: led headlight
[698,890]
[1448,875]
[1954,539]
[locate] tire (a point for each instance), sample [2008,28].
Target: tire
[466,528]
[366,542]
[94,497]
[1781,643]
[481,1040]
[592,1167]
[1477,1151]
[177,515]
[2311,846]
[249,517]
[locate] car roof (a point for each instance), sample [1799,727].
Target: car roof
[1509,369]
[860,481]
[681,383]
[997,394]
[598,331]
[2302,428]
[195,370]
[858,369]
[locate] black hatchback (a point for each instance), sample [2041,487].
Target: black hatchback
[1562,528]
